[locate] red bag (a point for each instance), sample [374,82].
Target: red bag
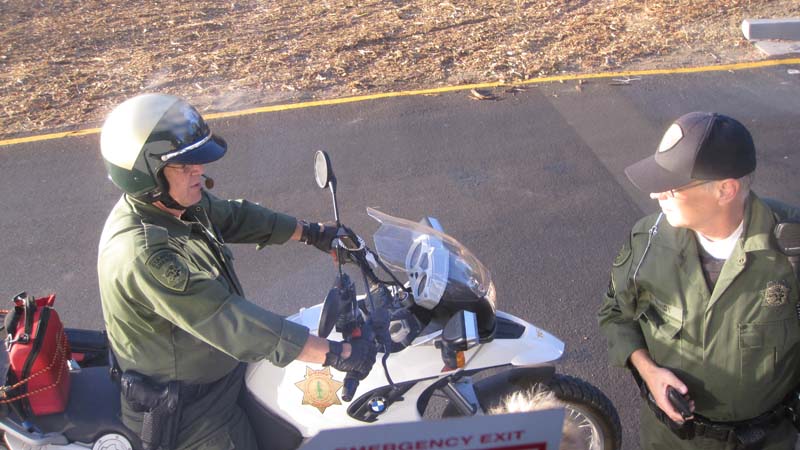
[39,351]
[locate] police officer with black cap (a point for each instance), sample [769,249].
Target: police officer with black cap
[173,307]
[702,305]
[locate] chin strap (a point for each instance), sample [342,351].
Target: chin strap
[170,202]
[161,193]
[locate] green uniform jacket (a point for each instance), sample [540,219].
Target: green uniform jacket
[173,307]
[736,348]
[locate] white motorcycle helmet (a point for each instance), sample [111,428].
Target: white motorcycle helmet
[145,133]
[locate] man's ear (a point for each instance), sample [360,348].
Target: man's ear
[728,190]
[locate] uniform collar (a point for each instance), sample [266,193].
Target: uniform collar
[156,216]
[758,225]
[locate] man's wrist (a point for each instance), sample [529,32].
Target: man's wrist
[303,231]
[311,232]
[641,361]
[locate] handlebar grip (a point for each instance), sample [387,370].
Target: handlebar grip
[350,386]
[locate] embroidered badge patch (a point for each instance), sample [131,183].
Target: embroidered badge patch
[623,255]
[319,389]
[776,294]
[671,138]
[170,269]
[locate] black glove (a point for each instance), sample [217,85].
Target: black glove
[360,361]
[319,235]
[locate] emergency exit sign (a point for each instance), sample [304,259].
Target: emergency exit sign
[539,430]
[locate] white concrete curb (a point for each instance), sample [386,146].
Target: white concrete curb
[762,29]
[773,36]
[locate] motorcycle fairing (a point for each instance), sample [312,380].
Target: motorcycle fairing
[274,387]
[436,265]
[533,348]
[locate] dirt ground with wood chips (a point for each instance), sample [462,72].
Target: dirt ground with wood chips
[65,64]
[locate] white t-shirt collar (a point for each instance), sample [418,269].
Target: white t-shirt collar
[722,248]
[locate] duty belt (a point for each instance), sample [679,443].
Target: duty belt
[192,392]
[746,434]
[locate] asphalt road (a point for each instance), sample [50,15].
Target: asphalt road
[532,183]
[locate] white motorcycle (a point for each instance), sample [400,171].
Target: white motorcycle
[433,319]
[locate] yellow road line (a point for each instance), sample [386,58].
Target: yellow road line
[46,137]
[441,90]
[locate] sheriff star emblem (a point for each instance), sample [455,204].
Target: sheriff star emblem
[319,389]
[776,294]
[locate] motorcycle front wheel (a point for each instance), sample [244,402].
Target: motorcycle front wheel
[590,417]
[587,408]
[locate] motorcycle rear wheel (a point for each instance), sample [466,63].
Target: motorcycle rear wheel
[586,407]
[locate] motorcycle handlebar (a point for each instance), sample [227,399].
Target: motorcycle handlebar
[349,241]
[349,245]
[353,379]
[350,386]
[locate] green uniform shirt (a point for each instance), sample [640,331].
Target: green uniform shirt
[736,348]
[172,305]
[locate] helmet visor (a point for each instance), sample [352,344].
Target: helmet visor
[208,149]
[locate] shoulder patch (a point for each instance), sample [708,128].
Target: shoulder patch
[623,255]
[170,269]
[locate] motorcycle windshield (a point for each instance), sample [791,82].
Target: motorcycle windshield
[435,265]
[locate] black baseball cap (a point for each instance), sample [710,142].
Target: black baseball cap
[697,146]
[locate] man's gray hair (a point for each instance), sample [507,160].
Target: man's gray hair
[745,183]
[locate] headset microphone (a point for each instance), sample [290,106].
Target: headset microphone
[208,181]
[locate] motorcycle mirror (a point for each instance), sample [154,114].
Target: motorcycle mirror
[461,331]
[323,172]
[330,311]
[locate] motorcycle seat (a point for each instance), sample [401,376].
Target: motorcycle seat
[93,409]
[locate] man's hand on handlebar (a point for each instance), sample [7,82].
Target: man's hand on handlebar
[320,235]
[360,361]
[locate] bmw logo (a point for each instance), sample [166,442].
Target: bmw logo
[377,404]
